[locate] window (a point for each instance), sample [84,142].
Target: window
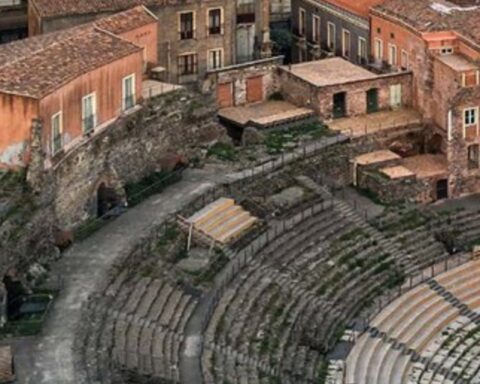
[346,43]
[301,22]
[215,21]
[470,116]
[187,64]
[57,128]
[215,58]
[392,55]
[405,64]
[446,51]
[331,36]
[89,112]
[362,50]
[128,88]
[316,29]
[392,35]
[378,50]
[473,156]
[187,27]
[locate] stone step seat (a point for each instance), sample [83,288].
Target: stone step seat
[211,210]
[247,315]
[148,298]
[138,292]
[158,305]
[116,284]
[238,311]
[441,350]
[439,323]
[221,218]
[302,231]
[401,329]
[230,301]
[292,253]
[170,308]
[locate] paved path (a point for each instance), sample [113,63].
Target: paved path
[50,361]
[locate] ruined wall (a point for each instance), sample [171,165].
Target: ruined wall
[130,148]
[396,191]
[236,76]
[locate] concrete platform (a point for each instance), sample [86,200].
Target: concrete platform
[264,115]
[376,157]
[397,172]
[375,122]
[152,88]
[327,72]
[427,166]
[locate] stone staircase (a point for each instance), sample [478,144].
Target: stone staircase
[221,221]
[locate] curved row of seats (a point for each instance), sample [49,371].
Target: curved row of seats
[285,309]
[413,322]
[137,325]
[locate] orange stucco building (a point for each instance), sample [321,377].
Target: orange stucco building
[73,82]
[440,44]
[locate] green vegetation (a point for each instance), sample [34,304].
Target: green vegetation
[223,151]
[279,141]
[28,323]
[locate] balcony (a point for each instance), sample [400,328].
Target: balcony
[246,13]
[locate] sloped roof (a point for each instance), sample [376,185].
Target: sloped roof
[435,16]
[357,7]
[37,66]
[55,8]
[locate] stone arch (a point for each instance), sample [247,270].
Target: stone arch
[106,194]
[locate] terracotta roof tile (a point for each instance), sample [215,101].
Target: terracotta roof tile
[60,57]
[53,8]
[357,7]
[436,15]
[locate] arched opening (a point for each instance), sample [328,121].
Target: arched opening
[107,199]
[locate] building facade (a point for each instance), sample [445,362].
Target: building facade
[194,36]
[13,20]
[84,79]
[441,47]
[325,28]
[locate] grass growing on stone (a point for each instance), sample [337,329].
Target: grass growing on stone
[223,151]
[282,140]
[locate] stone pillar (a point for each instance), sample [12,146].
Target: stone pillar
[35,171]
[262,27]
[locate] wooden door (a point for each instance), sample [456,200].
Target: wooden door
[225,95]
[255,89]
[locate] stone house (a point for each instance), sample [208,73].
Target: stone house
[194,36]
[324,28]
[66,86]
[13,20]
[440,44]
[336,88]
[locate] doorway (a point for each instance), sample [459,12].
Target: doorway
[107,199]
[442,189]
[396,96]
[372,100]
[339,105]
